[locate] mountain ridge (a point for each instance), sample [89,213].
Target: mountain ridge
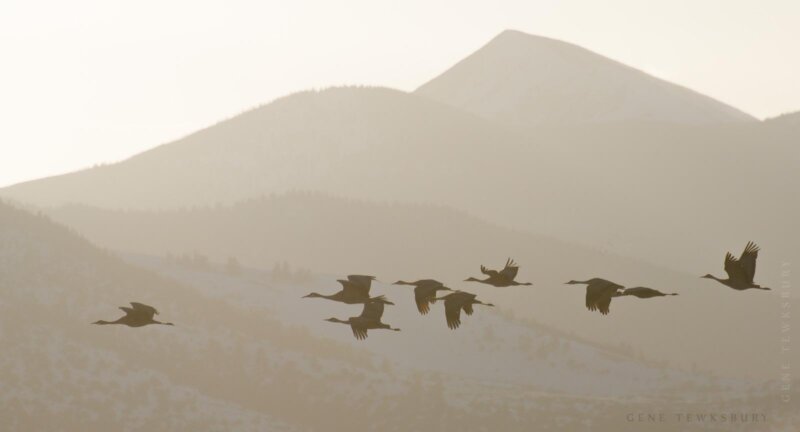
[527,80]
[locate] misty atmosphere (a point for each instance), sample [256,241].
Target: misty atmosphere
[518,243]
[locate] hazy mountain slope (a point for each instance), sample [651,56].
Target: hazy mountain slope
[410,242]
[302,141]
[650,191]
[526,81]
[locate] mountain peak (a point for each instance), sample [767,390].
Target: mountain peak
[510,36]
[527,80]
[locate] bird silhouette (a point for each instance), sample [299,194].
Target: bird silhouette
[370,319]
[138,315]
[599,293]
[642,292]
[457,301]
[355,290]
[425,292]
[502,278]
[740,271]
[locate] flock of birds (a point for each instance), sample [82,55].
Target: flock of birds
[356,290]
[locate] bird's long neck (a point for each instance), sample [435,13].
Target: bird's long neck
[163,323]
[404,283]
[337,320]
[521,283]
[104,322]
[481,303]
[574,282]
[472,279]
[330,297]
[718,279]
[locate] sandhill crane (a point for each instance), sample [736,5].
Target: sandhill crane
[740,271]
[502,278]
[599,293]
[456,302]
[370,319]
[425,292]
[138,315]
[643,293]
[355,290]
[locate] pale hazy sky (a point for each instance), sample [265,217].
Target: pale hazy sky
[85,82]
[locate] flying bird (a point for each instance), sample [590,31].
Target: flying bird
[425,292]
[138,315]
[355,290]
[502,278]
[740,271]
[457,301]
[643,293]
[599,293]
[370,319]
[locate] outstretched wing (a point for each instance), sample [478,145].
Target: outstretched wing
[144,309]
[362,283]
[423,298]
[372,311]
[509,272]
[748,260]
[490,273]
[734,268]
[352,290]
[604,304]
[599,293]
[359,329]
[468,308]
[452,312]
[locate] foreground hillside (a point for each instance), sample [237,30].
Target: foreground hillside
[235,360]
[339,236]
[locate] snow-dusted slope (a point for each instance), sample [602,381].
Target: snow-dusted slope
[528,81]
[489,347]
